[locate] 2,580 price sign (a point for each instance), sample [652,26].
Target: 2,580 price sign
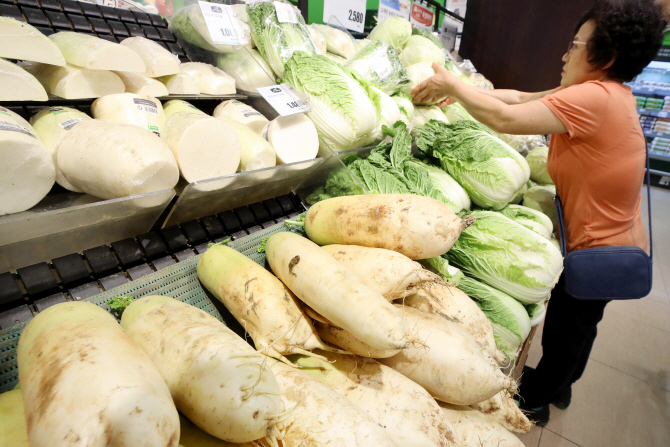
[347,13]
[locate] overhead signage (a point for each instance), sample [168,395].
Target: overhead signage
[394,8]
[349,13]
[421,17]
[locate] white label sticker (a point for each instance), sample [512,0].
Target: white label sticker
[144,105]
[69,124]
[6,125]
[285,13]
[249,112]
[222,24]
[384,69]
[284,99]
[349,13]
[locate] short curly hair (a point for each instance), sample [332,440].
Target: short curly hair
[628,31]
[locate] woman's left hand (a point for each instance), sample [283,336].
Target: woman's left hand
[436,88]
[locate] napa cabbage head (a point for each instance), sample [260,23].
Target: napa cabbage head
[406,107]
[277,41]
[390,112]
[415,53]
[509,319]
[420,32]
[442,181]
[395,31]
[423,115]
[508,256]
[456,112]
[378,64]
[440,265]
[541,198]
[537,160]
[345,109]
[489,170]
[536,312]
[530,218]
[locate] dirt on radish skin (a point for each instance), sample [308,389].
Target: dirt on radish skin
[503,409]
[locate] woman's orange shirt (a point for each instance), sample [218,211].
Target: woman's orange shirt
[598,165]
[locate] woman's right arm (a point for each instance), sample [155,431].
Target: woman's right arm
[514,97]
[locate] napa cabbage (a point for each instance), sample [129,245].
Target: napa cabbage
[509,319]
[278,41]
[420,32]
[423,115]
[537,160]
[395,31]
[508,256]
[541,198]
[440,265]
[529,218]
[456,112]
[417,73]
[406,107]
[491,172]
[248,69]
[390,112]
[345,109]
[335,58]
[378,64]
[536,312]
[415,53]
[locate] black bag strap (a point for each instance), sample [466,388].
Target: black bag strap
[559,210]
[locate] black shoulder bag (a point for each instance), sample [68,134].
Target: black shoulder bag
[607,273]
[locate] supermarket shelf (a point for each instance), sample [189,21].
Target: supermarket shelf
[649,134]
[657,113]
[650,92]
[658,156]
[58,101]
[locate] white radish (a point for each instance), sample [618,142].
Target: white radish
[242,113]
[18,84]
[248,68]
[319,416]
[410,416]
[141,84]
[450,365]
[266,309]
[129,108]
[109,160]
[477,429]
[86,382]
[211,80]
[216,379]
[70,82]
[27,171]
[256,152]
[180,84]
[505,411]
[192,436]
[342,339]
[338,42]
[92,52]
[177,105]
[203,146]
[13,431]
[51,125]
[21,41]
[157,60]
[333,291]
[294,138]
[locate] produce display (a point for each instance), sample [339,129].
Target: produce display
[70,82]
[18,84]
[180,84]
[91,52]
[19,40]
[157,60]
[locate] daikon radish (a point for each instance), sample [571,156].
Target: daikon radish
[157,60]
[109,160]
[21,41]
[203,146]
[410,416]
[337,41]
[92,52]
[418,227]
[266,309]
[248,68]
[129,108]
[293,138]
[256,152]
[70,82]
[242,113]
[216,379]
[342,339]
[389,272]
[51,125]
[13,431]
[86,382]
[177,105]
[180,84]
[18,84]
[142,85]
[477,429]
[319,416]
[505,411]
[333,291]
[451,365]
[192,436]
[211,80]
[27,171]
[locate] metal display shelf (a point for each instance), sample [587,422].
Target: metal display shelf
[650,92]
[650,134]
[656,113]
[658,156]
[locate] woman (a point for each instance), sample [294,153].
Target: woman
[596,159]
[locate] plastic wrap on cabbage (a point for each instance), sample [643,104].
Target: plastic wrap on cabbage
[378,64]
[278,41]
[318,39]
[338,42]
[430,36]
[395,31]
[360,44]
[345,109]
[248,69]
[189,25]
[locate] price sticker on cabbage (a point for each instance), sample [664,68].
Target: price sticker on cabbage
[348,13]
[284,99]
[285,13]
[222,24]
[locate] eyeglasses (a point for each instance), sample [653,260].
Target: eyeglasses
[571,45]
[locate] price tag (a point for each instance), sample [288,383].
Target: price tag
[349,13]
[384,69]
[448,34]
[284,99]
[285,13]
[222,24]
[663,114]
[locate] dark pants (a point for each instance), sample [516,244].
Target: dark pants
[567,338]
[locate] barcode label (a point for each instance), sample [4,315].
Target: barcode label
[69,124]
[249,112]
[384,69]
[144,105]
[285,13]
[11,127]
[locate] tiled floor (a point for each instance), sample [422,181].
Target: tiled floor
[623,399]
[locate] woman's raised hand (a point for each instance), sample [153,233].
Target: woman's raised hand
[436,89]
